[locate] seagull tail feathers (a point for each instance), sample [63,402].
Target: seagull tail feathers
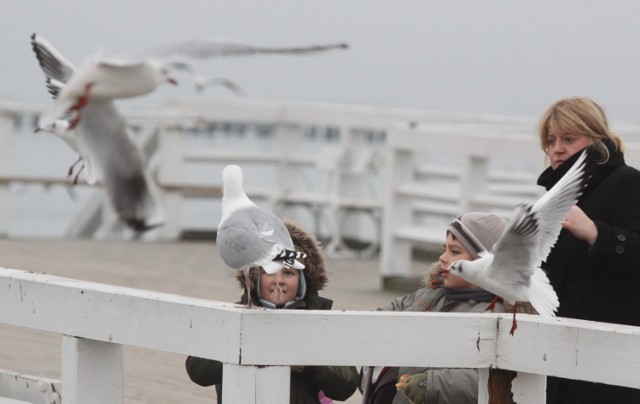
[542,296]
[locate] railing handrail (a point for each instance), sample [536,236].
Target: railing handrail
[237,336]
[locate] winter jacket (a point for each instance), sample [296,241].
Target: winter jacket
[598,283]
[336,382]
[445,385]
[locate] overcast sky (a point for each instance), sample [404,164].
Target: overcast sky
[490,56]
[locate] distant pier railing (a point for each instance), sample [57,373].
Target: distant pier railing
[391,179]
[96,320]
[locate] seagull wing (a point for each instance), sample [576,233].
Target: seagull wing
[515,253]
[209,48]
[57,70]
[554,206]
[53,63]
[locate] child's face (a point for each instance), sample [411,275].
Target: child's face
[287,280]
[453,251]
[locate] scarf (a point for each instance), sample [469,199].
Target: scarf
[476,294]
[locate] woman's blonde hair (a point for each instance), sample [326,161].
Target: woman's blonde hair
[579,116]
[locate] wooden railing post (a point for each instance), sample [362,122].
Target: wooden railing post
[289,140]
[475,173]
[253,384]
[171,171]
[92,371]
[6,150]
[395,254]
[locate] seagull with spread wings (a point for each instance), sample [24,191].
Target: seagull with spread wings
[513,270]
[103,139]
[103,77]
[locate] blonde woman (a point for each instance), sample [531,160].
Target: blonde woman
[595,265]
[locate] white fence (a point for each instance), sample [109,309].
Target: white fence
[96,320]
[394,178]
[437,172]
[327,160]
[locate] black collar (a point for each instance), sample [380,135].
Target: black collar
[596,170]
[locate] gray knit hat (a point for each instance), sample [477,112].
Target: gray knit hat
[477,231]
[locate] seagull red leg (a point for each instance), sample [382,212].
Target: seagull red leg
[492,305]
[75,179]
[73,165]
[514,325]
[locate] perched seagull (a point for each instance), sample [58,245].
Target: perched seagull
[249,235]
[106,78]
[103,139]
[513,271]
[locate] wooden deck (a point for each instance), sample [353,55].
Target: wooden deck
[184,268]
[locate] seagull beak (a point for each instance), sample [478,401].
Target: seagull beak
[172,81]
[38,130]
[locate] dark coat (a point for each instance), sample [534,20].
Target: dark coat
[336,382]
[599,283]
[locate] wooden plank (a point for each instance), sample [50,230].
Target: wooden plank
[575,349]
[436,339]
[120,315]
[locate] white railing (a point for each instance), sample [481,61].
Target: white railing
[96,320]
[336,173]
[437,172]
[394,178]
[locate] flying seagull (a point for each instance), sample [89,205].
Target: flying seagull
[108,77]
[249,235]
[201,83]
[103,139]
[513,270]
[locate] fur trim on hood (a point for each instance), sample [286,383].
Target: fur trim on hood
[433,278]
[315,272]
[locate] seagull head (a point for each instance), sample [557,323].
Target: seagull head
[58,127]
[233,195]
[163,74]
[168,78]
[457,268]
[469,270]
[232,179]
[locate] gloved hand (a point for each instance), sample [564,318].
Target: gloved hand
[297,369]
[415,389]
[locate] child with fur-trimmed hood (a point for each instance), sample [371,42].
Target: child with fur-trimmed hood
[289,289]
